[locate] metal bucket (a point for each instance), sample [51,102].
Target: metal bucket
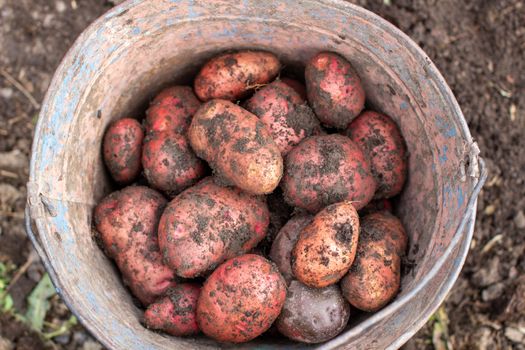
[137,48]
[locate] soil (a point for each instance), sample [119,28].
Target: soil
[478,46]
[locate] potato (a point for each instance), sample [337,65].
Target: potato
[170,165]
[285,114]
[327,169]
[237,146]
[374,278]
[326,247]
[122,146]
[375,206]
[282,246]
[313,315]
[126,222]
[241,299]
[334,89]
[207,224]
[172,110]
[385,224]
[296,85]
[379,137]
[232,76]
[175,313]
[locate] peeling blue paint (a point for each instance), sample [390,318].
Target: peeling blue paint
[443,155]
[461,197]
[403,106]
[445,128]
[135,31]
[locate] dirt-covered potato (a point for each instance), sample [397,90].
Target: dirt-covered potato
[327,169]
[175,313]
[313,315]
[126,222]
[237,146]
[296,85]
[327,246]
[231,76]
[385,224]
[241,299]
[282,246]
[207,224]
[285,114]
[122,147]
[380,139]
[334,89]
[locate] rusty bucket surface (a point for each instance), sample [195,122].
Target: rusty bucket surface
[139,47]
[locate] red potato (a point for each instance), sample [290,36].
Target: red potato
[241,299]
[380,139]
[282,246]
[334,89]
[170,165]
[296,85]
[327,169]
[232,76]
[385,224]
[175,313]
[313,315]
[326,247]
[127,225]
[237,146]
[207,224]
[122,147]
[172,110]
[285,114]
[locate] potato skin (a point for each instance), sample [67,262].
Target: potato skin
[175,313]
[241,299]
[126,222]
[207,224]
[326,247]
[285,114]
[122,147]
[237,146]
[334,89]
[327,169]
[232,76]
[296,85]
[380,139]
[375,276]
[377,205]
[281,250]
[386,224]
[313,315]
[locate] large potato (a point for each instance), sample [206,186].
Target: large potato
[327,169]
[334,89]
[385,224]
[127,225]
[207,224]
[313,315]
[326,247]
[380,139]
[285,114]
[241,299]
[237,146]
[122,146]
[231,76]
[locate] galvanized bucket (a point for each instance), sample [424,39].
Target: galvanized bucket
[137,48]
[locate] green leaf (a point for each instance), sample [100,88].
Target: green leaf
[38,303]
[7,303]
[64,328]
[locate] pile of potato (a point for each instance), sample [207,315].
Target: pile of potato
[206,260]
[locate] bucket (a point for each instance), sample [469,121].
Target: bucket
[139,47]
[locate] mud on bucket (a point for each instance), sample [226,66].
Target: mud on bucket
[137,48]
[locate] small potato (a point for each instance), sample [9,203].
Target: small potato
[375,206]
[175,313]
[296,85]
[313,315]
[241,299]
[172,110]
[282,246]
[385,224]
[232,76]
[122,147]
[127,225]
[374,278]
[326,247]
[334,89]
[327,169]
[379,137]
[170,165]
[285,114]
[207,224]
[237,146]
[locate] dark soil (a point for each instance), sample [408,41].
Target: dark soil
[477,44]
